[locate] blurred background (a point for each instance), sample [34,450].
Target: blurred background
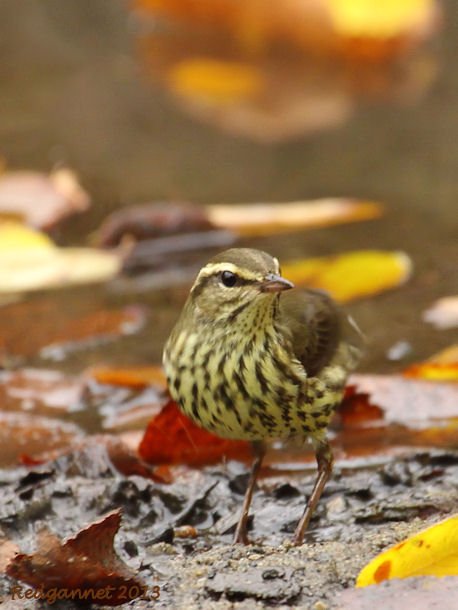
[214,102]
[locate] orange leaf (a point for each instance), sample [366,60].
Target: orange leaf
[137,377]
[218,81]
[440,367]
[267,218]
[433,371]
[172,438]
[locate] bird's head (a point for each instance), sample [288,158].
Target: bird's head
[235,279]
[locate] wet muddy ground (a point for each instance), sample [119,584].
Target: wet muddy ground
[361,513]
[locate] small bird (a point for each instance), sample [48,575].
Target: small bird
[250,358]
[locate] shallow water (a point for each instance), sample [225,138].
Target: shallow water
[73,91]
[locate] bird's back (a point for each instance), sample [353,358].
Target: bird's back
[320,332]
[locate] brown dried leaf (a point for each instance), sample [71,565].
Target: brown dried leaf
[86,566]
[8,549]
[150,220]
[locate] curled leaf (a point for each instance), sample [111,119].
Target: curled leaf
[267,218]
[96,574]
[151,221]
[431,552]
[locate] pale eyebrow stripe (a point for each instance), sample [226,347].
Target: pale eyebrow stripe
[215,268]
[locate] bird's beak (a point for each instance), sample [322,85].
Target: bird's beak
[275,283]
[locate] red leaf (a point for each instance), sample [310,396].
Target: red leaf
[172,438]
[356,408]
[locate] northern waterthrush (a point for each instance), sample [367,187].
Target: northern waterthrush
[251,359]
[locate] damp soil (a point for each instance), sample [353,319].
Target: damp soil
[177,536]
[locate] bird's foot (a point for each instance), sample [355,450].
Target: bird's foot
[240,536]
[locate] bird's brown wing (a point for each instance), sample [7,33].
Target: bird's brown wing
[315,324]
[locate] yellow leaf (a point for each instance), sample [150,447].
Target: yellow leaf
[351,275]
[256,219]
[15,238]
[442,366]
[432,552]
[218,81]
[30,261]
[449,355]
[378,19]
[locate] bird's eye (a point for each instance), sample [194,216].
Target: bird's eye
[228,278]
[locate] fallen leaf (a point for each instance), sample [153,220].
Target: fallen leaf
[361,18]
[449,355]
[412,402]
[152,220]
[431,552]
[39,391]
[96,575]
[26,434]
[356,408]
[443,314]
[128,462]
[172,438]
[274,71]
[323,27]
[272,218]
[434,371]
[42,200]
[439,367]
[292,103]
[214,80]
[138,377]
[388,415]
[351,275]
[8,549]
[47,328]
[30,261]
